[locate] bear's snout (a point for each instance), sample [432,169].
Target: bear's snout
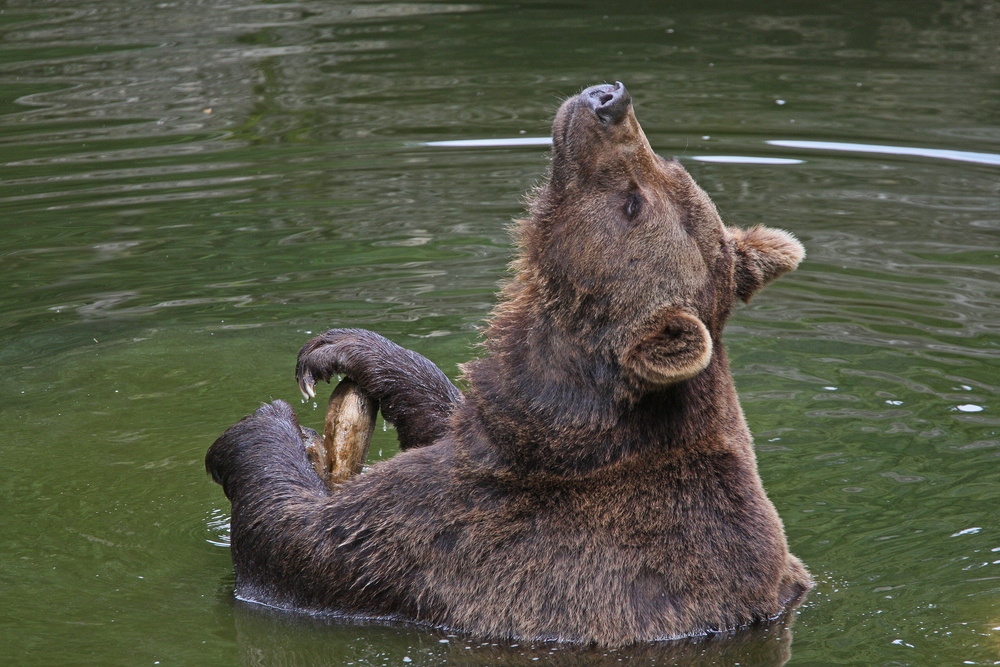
[609,102]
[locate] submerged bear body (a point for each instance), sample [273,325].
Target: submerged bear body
[596,482]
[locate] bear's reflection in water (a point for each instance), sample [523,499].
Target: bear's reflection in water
[273,638]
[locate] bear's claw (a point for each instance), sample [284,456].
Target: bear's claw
[323,356]
[307,385]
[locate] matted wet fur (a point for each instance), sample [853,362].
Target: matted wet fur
[596,482]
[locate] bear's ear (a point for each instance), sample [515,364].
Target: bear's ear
[677,347]
[762,254]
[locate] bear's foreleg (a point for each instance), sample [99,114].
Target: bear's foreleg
[282,513]
[412,392]
[267,447]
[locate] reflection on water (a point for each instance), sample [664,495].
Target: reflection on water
[935,153]
[190,189]
[276,639]
[745,159]
[490,143]
[514,142]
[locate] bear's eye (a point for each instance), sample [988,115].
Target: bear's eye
[633,204]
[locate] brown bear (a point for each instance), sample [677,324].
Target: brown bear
[596,482]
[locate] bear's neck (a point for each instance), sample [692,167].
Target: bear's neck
[547,405]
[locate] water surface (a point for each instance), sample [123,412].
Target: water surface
[189,190]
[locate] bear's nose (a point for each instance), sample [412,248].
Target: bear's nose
[609,102]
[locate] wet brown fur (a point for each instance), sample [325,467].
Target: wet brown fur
[597,481]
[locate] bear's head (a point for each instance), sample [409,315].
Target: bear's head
[629,256]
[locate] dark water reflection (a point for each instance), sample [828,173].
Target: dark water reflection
[188,189]
[278,639]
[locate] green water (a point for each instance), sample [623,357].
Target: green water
[160,265]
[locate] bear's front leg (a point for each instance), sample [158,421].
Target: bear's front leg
[412,392]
